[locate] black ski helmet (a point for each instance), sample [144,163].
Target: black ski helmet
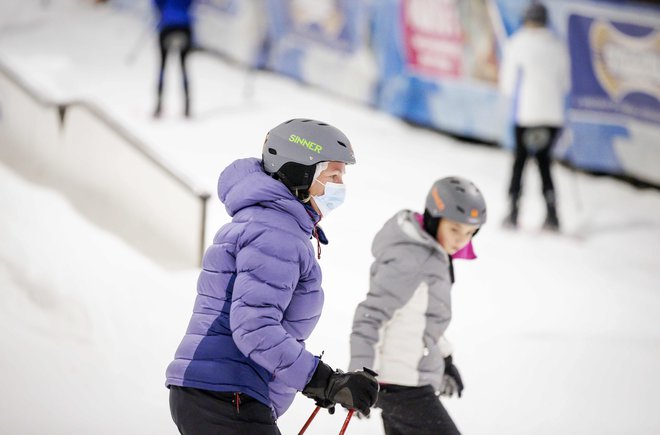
[292,150]
[454,198]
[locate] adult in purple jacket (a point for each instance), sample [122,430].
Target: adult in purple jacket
[243,357]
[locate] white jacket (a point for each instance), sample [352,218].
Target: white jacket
[398,329]
[535,73]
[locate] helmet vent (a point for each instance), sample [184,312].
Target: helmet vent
[273,151]
[455,181]
[460,209]
[321,123]
[306,120]
[460,189]
[289,121]
[341,143]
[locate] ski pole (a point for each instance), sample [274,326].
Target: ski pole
[348,418]
[309,420]
[147,30]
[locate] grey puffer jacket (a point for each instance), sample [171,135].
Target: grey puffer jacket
[398,330]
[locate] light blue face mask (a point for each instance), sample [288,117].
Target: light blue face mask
[332,198]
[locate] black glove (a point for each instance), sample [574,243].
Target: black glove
[353,390]
[327,404]
[451,380]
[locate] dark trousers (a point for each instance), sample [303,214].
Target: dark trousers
[166,36]
[414,410]
[537,141]
[202,412]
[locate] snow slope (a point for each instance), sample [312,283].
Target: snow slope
[553,333]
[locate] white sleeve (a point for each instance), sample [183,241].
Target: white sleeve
[446,348]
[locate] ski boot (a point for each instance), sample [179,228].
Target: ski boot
[186,108]
[551,219]
[511,219]
[158,110]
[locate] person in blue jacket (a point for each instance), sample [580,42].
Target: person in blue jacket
[175,33]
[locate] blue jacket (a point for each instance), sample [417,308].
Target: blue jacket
[259,295]
[174,13]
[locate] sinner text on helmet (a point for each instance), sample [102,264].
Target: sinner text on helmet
[313,146]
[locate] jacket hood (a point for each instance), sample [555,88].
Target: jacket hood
[403,228]
[244,183]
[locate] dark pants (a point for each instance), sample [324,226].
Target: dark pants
[414,410]
[202,412]
[167,35]
[537,141]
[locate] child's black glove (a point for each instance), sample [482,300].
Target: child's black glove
[451,380]
[353,390]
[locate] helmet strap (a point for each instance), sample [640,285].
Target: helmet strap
[301,192]
[431,224]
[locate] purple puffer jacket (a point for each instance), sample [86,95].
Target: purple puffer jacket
[259,295]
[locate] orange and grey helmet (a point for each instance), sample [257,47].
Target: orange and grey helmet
[457,199]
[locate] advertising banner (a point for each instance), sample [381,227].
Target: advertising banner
[615,99]
[438,64]
[325,43]
[433,37]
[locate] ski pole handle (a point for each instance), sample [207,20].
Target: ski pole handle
[348,419]
[309,420]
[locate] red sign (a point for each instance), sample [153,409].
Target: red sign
[433,37]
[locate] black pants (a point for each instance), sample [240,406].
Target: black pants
[183,33]
[202,412]
[414,410]
[537,141]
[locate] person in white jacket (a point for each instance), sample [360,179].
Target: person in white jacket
[535,74]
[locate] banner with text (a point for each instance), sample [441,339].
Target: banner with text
[438,65]
[614,109]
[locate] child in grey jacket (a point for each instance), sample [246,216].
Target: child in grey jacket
[398,329]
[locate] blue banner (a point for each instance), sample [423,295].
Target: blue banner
[623,75]
[438,65]
[614,108]
[324,42]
